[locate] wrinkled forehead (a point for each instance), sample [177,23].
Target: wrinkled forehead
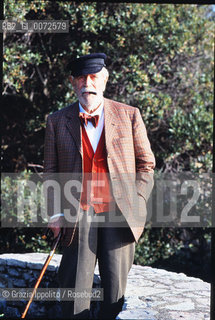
[101,76]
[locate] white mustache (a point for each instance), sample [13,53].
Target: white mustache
[88,91]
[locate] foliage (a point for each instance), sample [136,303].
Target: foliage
[164,242]
[160,59]
[23,240]
[15,238]
[159,245]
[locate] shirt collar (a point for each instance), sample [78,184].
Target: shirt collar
[96,112]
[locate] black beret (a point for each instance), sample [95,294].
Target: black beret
[88,64]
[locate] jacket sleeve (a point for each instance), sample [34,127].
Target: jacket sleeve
[51,185]
[144,157]
[50,149]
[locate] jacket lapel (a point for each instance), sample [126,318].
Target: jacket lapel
[111,121]
[73,124]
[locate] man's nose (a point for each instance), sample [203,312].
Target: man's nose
[87,79]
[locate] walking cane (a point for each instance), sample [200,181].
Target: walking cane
[48,259]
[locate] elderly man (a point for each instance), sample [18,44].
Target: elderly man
[102,144]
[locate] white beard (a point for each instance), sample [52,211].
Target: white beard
[91,102]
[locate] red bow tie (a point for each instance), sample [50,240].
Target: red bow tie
[85,118]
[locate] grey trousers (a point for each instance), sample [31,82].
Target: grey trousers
[114,248]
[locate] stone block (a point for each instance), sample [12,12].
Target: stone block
[34,266]
[187,305]
[13,272]
[27,276]
[16,263]
[188,316]
[133,302]
[2,262]
[37,310]
[5,281]
[19,283]
[2,306]
[137,314]
[16,304]
[2,269]
[51,268]
[12,313]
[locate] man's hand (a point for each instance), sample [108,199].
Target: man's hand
[56,225]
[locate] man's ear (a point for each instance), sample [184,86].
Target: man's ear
[105,83]
[106,76]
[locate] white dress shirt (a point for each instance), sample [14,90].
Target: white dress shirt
[93,133]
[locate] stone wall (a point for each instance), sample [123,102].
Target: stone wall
[152,294]
[22,271]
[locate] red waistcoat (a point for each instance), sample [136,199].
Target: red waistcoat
[96,190]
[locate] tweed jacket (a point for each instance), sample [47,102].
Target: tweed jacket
[129,156]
